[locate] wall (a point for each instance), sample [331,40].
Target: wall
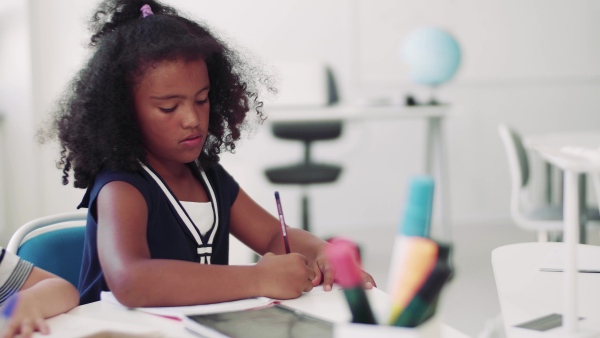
[19,175]
[531,63]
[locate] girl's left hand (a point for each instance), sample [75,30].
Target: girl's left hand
[326,275]
[25,319]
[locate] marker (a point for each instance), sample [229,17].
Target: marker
[418,259]
[416,220]
[282,221]
[423,304]
[348,276]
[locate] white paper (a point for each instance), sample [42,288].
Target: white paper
[588,259]
[181,311]
[70,326]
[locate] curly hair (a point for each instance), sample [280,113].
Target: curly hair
[95,120]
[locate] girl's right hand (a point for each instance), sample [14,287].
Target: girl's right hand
[284,276]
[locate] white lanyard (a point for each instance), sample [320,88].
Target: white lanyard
[203,250]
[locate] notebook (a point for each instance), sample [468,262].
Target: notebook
[271,321]
[588,259]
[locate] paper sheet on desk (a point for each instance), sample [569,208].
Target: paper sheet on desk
[70,326]
[588,259]
[180,311]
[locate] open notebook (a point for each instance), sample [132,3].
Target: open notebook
[180,311]
[588,259]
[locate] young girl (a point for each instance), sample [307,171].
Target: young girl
[142,130]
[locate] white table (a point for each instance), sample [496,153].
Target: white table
[435,151]
[525,293]
[105,316]
[550,145]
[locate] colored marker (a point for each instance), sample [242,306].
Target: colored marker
[415,222]
[348,276]
[282,221]
[417,261]
[423,304]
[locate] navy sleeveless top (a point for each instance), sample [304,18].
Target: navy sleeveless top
[170,234]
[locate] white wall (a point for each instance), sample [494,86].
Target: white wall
[532,63]
[19,177]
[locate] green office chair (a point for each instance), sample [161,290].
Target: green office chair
[53,243]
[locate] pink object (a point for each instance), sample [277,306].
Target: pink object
[342,256]
[349,243]
[146,11]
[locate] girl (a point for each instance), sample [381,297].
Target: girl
[142,130]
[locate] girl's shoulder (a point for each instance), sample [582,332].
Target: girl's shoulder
[138,179]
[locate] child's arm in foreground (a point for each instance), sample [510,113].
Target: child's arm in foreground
[43,295]
[137,280]
[262,232]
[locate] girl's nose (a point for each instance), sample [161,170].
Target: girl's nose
[190,117]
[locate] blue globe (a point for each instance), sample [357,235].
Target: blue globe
[432,54]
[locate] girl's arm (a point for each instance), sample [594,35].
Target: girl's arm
[137,280]
[43,295]
[261,231]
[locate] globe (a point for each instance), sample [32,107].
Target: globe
[432,54]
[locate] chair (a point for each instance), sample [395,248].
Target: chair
[307,172]
[541,218]
[53,243]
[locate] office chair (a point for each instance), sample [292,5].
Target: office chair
[53,243]
[308,172]
[542,218]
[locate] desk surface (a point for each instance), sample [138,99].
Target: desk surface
[349,113]
[549,147]
[588,139]
[98,316]
[526,293]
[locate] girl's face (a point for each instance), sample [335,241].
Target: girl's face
[172,109]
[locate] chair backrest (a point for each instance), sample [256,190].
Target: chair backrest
[516,154]
[53,243]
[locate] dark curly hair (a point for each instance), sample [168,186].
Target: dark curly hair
[95,121]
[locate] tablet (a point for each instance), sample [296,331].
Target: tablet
[276,321]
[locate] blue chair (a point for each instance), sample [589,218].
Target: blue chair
[53,243]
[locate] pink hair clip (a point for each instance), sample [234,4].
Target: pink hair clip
[146,11]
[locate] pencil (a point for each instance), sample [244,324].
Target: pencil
[282,221]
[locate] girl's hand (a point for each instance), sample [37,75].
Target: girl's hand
[284,276]
[25,319]
[326,275]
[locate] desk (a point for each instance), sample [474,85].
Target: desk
[551,144]
[573,167]
[331,306]
[435,151]
[526,293]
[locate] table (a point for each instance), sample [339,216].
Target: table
[526,293]
[435,151]
[572,166]
[106,316]
[551,144]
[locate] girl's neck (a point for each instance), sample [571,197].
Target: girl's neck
[169,171]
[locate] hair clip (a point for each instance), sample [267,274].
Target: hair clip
[146,11]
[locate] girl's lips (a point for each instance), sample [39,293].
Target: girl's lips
[192,142]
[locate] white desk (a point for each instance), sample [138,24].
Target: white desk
[331,306]
[525,293]
[573,167]
[552,143]
[435,151]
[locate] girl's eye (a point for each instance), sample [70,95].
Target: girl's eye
[168,110]
[202,101]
